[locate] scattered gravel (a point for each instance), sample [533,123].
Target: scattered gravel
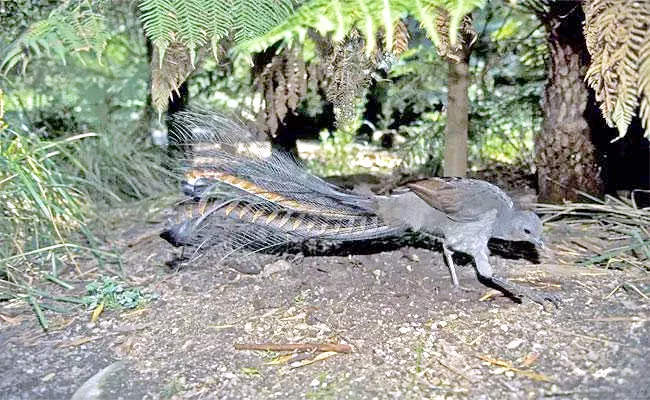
[413,336]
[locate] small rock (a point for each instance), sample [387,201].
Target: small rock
[248,268]
[229,375]
[275,267]
[514,344]
[48,377]
[377,274]
[602,373]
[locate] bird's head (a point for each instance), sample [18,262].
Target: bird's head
[522,226]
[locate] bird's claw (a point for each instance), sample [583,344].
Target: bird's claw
[539,297]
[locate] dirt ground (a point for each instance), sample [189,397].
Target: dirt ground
[412,336]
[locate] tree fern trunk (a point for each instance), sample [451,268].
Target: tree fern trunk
[457,119]
[565,154]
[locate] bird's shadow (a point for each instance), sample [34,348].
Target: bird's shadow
[514,250]
[506,249]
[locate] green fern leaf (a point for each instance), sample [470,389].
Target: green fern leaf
[369,28]
[457,11]
[253,18]
[70,29]
[424,12]
[219,21]
[160,23]
[192,24]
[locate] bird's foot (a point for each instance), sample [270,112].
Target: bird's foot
[540,297]
[295,258]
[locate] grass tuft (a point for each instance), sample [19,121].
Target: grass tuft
[612,233]
[50,191]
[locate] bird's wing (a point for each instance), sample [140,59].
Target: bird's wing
[461,199]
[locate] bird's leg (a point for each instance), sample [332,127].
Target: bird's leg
[486,271]
[450,264]
[520,291]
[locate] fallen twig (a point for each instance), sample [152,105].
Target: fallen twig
[508,366]
[335,347]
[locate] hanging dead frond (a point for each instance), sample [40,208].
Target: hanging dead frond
[280,93]
[282,85]
[168,75]
[348,73]
[466,36]
[400,38]
[617,33]
[295,71]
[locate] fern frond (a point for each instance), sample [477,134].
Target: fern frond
[253,18]
[72,29]
[458,9]
[644,85]
[617,37]
[401,38]
[192,23]
[160,23]
[168,75]
[425,13]
[219,21]
[339,17]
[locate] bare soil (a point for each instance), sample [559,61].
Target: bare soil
[412,336]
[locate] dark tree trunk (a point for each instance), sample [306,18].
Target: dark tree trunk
[147,122]
[177,102]
[566,157]
[455,163]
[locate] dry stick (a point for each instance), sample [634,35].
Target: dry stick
[337,347]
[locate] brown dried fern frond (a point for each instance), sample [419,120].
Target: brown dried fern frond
[282,85]
[280,94]
[617,34]
[400,38]
[644,81]
[466,36]
[296,78]
[348,73]
[166,77]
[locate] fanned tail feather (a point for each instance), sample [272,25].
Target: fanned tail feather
[248,201]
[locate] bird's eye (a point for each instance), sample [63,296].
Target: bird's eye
[527,231]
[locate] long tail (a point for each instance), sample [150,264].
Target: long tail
[255,203]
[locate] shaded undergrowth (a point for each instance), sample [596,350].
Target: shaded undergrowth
[51,194]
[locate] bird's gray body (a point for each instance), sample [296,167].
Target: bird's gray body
[464,213]
[285,202]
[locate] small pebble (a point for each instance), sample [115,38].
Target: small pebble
[515,343]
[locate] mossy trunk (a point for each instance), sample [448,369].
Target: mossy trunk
[566,157]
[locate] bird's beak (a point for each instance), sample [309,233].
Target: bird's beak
[540,243]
